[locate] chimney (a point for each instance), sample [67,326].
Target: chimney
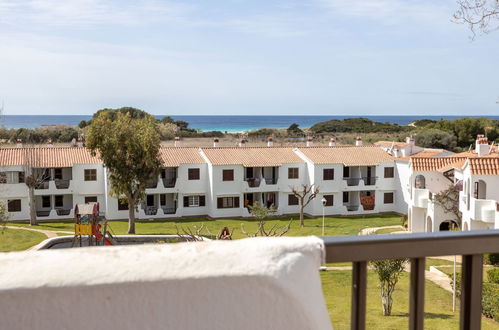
[215,142]
[358,141]
[177,141]
[310,141]
[19,143]
[409,140]
[270,141]
[332,141]
[50,144]
[79,143]
[396,152]
[482,147]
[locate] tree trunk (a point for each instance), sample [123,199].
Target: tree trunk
[386,301]
[302,222]
[32,207]
[131,216]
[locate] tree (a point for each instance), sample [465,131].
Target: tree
[261,212]
[129,150]
[34,177]
[435,138]
[4,216]
[448,199]
[294,129]
[480,15]
[388,272]
[305,195]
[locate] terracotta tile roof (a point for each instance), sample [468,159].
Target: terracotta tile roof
[347,155]
[473,154]
[433,163]
[175,156]
[46,157]
[252,156]
[422,154]
[455,164]
[484,166]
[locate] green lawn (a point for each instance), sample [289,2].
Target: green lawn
[438,304]
[335,226]
[17,240]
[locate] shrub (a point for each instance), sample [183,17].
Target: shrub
[493,275]
[490,300]
[404,221]
[491,259]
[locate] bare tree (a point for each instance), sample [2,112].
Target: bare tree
[274,231]
[448,199]
[481,16]
[305,194]
[34,177]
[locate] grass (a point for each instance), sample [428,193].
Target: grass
[18,240]
[438,304]
[335,226]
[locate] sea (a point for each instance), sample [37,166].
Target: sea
[219,123]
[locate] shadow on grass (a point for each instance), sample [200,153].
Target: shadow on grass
[428,315]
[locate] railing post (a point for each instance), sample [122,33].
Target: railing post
[359,286]
[416,296]
[471,291]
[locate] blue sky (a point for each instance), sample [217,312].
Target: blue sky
[330,57]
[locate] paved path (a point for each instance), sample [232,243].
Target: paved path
[48,233]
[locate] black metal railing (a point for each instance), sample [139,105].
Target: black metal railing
[361,249]
[42,185]
[61,184]
[63,211]
[271,180]
[369,180]
[169,182]
[253,182]
[169,210]
[352,181]
[152,184]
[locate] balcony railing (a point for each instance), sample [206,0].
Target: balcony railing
[151,184]
[352,208]
[253,182]
[352,181]
[271,180]
[63,211]
[169,182]
[61,184]
[169,210]
[42,213]
[42,185]
[369,180]
[150,210]
[361,249]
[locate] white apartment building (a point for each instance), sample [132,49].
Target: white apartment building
[475,174]
[216,182]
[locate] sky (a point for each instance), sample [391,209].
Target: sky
[234,57]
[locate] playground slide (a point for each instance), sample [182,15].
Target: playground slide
[99,236]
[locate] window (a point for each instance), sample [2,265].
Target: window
[227,202]
[420,182]
[346,197]
[150,200]
[59,201]
[389,172]
[346,172]
[3,177]
[328,174]
[193,174]
[90,199]
[14,205]
[292,200]
[194,201]
[46,201]
[58,174]
[20,177]
[162,199]
[388,198]
[122,205]
[228,175]
[249,172]
[329,200]
[91,175]
[293,173]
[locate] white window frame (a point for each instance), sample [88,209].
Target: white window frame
[193,201]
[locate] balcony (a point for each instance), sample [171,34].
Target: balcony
[420,197]
[352,181]
[169,210]
[270,181]
[169,182]
[484,210]
[62,184]
[361,249]
[369,180]
[152,184]
[253,182]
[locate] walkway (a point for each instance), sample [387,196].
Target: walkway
[48,233]
[372,230]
